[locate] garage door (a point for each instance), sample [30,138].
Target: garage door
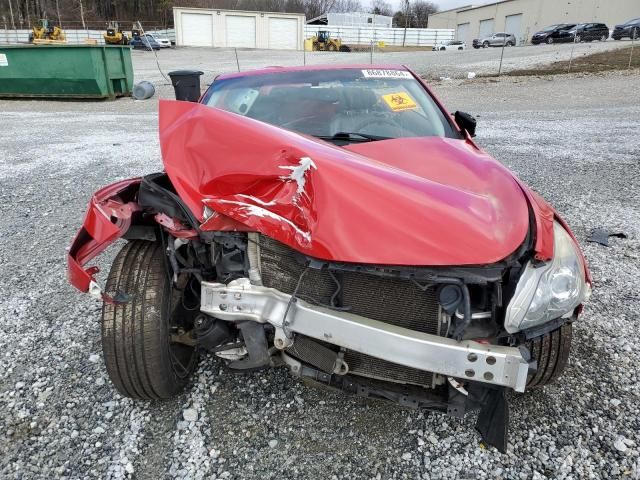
[197,30]
[486,28]
[464,33]
[241,31]
[283,33]
[513,25]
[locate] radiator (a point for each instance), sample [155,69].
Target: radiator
[390,300]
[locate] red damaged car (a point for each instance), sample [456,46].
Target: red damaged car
[339,222]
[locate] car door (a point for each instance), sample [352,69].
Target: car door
[562,33]
[590,31]
[496,40]
[603,30]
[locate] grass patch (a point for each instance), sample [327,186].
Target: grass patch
[617,59]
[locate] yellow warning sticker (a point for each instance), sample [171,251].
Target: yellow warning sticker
[399,101]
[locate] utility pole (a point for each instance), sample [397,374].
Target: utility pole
[406,21]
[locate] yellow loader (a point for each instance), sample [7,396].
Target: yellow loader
[324,42]
[115,35]
[46,32]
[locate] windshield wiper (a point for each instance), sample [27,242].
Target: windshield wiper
[353,137]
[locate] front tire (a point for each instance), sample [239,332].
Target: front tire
[549,40]
[551,352]
[485,45]
[141,360]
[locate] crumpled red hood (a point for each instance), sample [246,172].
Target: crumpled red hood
[408,201]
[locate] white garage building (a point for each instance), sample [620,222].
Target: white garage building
[203,27]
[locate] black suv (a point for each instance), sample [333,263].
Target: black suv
[554,34]
[587,32]
[629,29]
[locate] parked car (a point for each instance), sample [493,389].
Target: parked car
[339,222]
[587,32]
[450,45]
[163,41]
[495,40]
[144,42]
[554,34]
[630,29]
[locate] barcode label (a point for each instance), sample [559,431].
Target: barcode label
[386,74]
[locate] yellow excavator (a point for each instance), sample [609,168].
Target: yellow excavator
[323,42]
[115,35]
[46,32]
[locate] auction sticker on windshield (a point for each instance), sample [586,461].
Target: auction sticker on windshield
[378,73]
[399,101]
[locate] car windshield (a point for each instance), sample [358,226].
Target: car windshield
[631,22]
[341,104]
[551,28]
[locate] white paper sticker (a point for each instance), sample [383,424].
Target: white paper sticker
[377,73]
[3,60]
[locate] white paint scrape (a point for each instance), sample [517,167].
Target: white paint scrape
[298,173]
[257,211]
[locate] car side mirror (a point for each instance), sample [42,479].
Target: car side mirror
[466,122]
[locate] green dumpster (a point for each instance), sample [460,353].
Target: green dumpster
[65,71]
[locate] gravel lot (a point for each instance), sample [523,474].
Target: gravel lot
[455,64]
[60,417]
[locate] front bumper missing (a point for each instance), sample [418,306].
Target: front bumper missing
[240,300]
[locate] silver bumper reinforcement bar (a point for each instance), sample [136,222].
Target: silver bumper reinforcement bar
[240,300]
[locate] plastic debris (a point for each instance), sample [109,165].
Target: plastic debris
[601,236]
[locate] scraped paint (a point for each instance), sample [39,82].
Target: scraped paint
[298,174]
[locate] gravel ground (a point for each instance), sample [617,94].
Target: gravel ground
[60,417]
[454,64]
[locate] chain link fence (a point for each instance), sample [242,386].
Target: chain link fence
[590,56]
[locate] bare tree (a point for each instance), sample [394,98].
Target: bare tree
[294,6]
[58,12]
[315,8]
[96,13]
[420,11]
[380,7]
[345,6]
[84,25]
[13,24]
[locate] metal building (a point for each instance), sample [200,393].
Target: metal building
[352,19]
[523,18]
[203,27]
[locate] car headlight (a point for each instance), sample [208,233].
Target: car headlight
[551,290]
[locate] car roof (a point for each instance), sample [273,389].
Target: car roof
[278,69]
